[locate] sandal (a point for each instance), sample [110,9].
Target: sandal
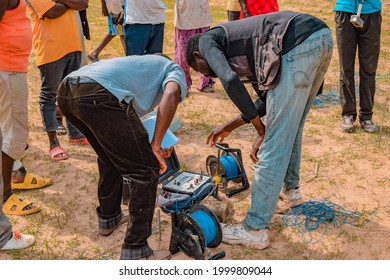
[19,241]
[16,206]
[78,141]
[32,182]
[58,153]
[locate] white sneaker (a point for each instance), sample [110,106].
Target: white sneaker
[19,241]
[237,234]
[294,197]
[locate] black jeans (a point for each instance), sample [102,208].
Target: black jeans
[121,143]
[367,42]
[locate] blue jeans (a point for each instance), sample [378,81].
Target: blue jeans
[52,75]
[302,73]
[143,39]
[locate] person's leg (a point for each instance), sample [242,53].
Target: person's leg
[18,172]
[137,38]
[61,130]
[71,62]
[280,153]
[205,84]
[181,38]
[110,182]
[51,76]
[368,53]
[346,36]
[13,122]
[156,41]
[5,225]
[291,180]
[7,171]
[112,32]
[14,125]
[133,159]
[96,52]
[10,240]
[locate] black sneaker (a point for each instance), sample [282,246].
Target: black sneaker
[369,126]
[347,125]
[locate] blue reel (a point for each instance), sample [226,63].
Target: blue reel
[229,167]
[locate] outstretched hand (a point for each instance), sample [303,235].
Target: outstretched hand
[217,135]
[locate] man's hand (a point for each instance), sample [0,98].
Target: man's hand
[255,147]
[160,155]
[165,113]
[260,128]
[218,134]
[121,18]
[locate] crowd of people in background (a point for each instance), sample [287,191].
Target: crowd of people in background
[224,51]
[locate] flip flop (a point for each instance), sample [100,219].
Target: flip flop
[78,141]
[15,206]
[27,184]
[92,59]
[55,154]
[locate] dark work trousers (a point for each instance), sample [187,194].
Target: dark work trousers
[121,143]
[366,42]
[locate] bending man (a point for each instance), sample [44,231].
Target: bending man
[284,56]
[105,100]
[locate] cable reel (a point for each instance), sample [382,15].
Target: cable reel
[194,232]
[227,167]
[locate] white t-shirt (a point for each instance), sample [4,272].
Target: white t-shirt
[145,11]
[192,14]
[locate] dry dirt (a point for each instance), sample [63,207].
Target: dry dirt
[350,169]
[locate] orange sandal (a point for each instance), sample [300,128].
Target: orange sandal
[17,206]
[78,141]
[32,182]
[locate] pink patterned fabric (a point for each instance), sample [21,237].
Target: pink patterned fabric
[181,38]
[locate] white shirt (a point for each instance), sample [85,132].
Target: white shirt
[192,14]
[145,11]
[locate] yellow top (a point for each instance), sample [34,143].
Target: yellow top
[53,38]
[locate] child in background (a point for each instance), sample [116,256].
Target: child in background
[191,17]
[113,10]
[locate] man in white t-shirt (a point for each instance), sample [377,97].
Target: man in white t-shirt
[144,29]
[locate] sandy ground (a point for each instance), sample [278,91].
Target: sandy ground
[351,170]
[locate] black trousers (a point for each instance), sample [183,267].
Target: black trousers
[366,42]
[121,143]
